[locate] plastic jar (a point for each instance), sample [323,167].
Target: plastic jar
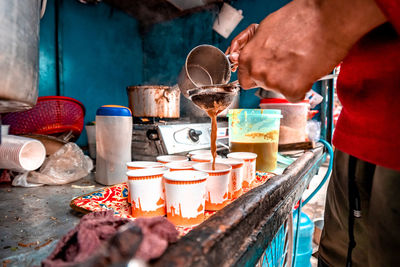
[257,131]
[294,121]
[113,143]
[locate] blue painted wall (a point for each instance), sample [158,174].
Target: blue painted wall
[167,44]
[101,52]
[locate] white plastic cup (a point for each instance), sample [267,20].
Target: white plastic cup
[227,20]
[185,197]
[147,192]
[217,184]
[171,158]
[91,136]
[21,154]
[203,157]
[180,166]
[136,165]
[236,176]
[249,174]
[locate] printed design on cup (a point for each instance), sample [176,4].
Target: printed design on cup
[217,190]
[184,182]
[147,196]
[210,205]
[185,201]
[236,181]
[249,172]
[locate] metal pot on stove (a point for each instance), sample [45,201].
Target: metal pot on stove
[154,101]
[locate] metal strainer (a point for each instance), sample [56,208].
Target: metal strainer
[214,97]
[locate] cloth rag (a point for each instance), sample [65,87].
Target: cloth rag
[97,228]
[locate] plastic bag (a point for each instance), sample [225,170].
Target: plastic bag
[67,165]
[313,130]
[21,180]
[314,98]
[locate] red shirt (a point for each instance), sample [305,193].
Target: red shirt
[369,90]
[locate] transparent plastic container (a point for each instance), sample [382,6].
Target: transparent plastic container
[257,131]
[294,121]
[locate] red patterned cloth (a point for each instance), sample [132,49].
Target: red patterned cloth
[115,198]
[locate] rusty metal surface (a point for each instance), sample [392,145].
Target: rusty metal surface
[240,233]
[40,214]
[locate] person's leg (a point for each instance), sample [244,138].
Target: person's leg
[384,218]
[335,237]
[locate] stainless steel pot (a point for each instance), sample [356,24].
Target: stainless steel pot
[154,101]
[19,54]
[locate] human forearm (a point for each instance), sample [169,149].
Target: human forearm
[303,41]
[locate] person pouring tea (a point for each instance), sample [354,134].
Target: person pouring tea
[303,41]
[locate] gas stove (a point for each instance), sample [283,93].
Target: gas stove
[151,138]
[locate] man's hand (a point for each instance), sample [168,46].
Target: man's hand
[239,42]
[301,42]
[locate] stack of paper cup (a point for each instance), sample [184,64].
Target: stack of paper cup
[236,176]
[180,166]
[21,154]
[171,158]
[217,184]
[185,191]
[147,192]
[203,157]
[199,151]
[136,165]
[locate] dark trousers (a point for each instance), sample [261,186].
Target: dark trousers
[377,232]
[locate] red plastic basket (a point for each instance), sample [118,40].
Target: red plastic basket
[51,115]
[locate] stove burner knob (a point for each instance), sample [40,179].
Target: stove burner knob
[194,135]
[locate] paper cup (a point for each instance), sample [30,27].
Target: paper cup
[204,157]
[199,151]
[134,165]
[171,158]
[236,176]
[146,192]
[21,154]
[180,166]
[217,184]
[249,173]
[185,196]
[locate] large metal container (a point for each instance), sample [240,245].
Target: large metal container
[19,54]
[154,101]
